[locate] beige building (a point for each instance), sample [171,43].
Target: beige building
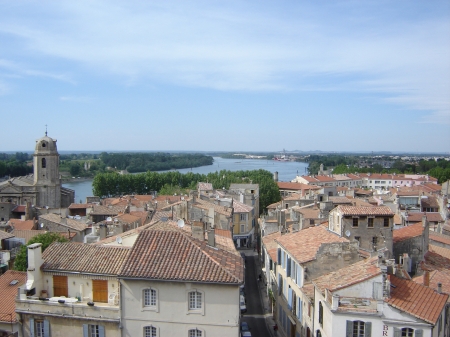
[177,284]
[71,290]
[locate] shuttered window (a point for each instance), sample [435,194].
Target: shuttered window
[92,330]
[358,329]
[60,287]
[100,291]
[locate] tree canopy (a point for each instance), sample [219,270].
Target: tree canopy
[21,261]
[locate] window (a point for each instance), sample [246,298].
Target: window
[407,332]
[195,300]
[243,217]
[243,228]
[149,298]
[100,291]
[149,331]
[355,222]
[93,330]
[195,333]
[374,240]
[370,222]
[44,163]
[386,222]
[39,328]
[358,329]
[320,313]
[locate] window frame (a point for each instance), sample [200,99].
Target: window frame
[150,307]
[370,222]
[355,220]
[144,332]
[386,222]
[196,310]
[196,332]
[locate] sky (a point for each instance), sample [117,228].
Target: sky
[226,75]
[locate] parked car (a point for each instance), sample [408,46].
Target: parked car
[242,304]
[244,326]
[246,334]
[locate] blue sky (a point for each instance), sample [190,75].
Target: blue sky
[226,75]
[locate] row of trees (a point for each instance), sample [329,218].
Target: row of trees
[142,162]
[114,184]
[15,165]
[439,169]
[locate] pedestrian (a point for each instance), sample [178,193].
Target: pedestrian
[259,277]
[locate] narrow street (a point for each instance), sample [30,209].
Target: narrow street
[255,310]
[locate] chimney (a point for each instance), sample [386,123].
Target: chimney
[426,234]
[102,230]
[426,278]
[198,230]
[335,302]
[212,238]
[34,274]
[439,288]
[275,176]
[380,260]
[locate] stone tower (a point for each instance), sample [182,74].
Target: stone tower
[46,173]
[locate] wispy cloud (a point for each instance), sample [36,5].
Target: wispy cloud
[252,46]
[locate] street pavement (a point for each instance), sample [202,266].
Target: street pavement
[258,317]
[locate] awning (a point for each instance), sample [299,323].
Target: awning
[235,237]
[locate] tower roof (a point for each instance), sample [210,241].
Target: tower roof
[45,145]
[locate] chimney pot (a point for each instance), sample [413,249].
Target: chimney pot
[439,288]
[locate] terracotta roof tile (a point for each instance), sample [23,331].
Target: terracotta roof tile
[271,245]
[417,217]
[415,299]
[445,252]
[27,234]
[22,224]
[65,222]
[350,275]
[355,210]
[239,207]
[304,244]
[19,209]
[9,293]
[437,276]
[295,186]
[340,200]
[78,257]
[5,235]
[407,232]
[203,204]
[108,210]
[434,261]
[80,206]
[442,238]
[205,186]
[173,255]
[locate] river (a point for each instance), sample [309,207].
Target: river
[286,172]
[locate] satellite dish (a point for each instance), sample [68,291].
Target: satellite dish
[109,219]
[180,223]
[119,240]
[347,233]
[42,225]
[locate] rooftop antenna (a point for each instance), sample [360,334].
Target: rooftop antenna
[45,129]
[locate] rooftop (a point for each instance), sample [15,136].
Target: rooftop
[407,232]
[8,289]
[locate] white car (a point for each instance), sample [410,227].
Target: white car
[242,304]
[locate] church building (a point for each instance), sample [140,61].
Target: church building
[43,188]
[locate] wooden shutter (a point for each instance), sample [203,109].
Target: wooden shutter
[279,256]
[418,333]
[85,330]
[349,331]
[101,331]
[31,327]
[100,290]
[46,328]
[288,267]
[397,332]
[60,287]
[367,329]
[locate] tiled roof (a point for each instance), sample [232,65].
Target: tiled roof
[27,234]
[203,204]
[355,210]
[415,299]
[397,219]
[19,209]
[9,293]
[340,200]
[295,186]
[430,202]
[80,206]
[308,290]
[5,235]
[240,207]
[348,276]
[172,255]
[445,252]
[442,238]
[304,244]
[84,258]
[127,234]
[437,276]
[66,222]
[325,178]
[434,261]
[127,218]
[205,186]
[271,245]
[107,210]
[417,217]
[407,232]
[22,224]
[309,213]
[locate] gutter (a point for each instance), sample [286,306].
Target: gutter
[99,319]
[180,281]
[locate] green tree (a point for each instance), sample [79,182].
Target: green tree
[75,169]
[21,261]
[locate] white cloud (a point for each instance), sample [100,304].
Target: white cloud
[347,46]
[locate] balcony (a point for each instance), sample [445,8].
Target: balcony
[71,308]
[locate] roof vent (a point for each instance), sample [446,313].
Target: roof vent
[13,282]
